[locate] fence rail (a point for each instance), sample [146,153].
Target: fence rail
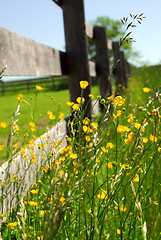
[54,83]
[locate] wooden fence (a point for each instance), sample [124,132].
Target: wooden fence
[28,58]
[52,83]
[25,57]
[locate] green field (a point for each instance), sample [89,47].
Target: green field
[38,103]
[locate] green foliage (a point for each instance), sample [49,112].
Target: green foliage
[104,184]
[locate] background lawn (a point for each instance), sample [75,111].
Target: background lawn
[38,106]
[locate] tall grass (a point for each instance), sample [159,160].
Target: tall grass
[105,184]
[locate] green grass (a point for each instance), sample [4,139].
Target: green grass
[36,110]
[100,186]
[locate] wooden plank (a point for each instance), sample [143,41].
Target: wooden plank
[76,49]
[23,168]
[92,69]
[89,30]
[110,44]
[26,57]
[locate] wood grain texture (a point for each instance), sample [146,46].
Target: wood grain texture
[25,57]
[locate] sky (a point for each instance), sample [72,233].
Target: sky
[42,21]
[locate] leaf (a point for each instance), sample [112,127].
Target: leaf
[135,16]
[128,25]
[141,14]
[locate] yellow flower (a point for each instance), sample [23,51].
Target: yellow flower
[110,98]
[83,84]
[61,116]
[159,149]
[125,166]
[87,138]
[62,200]
[110,165]
[12,225]
[73,155]
[90,144]
[40,238]
[85,128]
[153,138]
[70,103]
[3,124]
[20,97]
[1,147]
[137,125]
[102,194]
[39,88]
[86,121]
[42,212]
[131,118]
[75,106]
[89,211]
[10,179]
[146,89]
[33,204]
[31,228]
[123,208]
[16,127]
[91,96]
[79,100]
[122,129]
[130,138]
[94,126]
[156,202]
[34,191]
[33,161]
[51,117]
[110,145]
[136,178]
[118,231]
[105,150]
[49,112]
[118,114]
[145,140]
[119,101]
[32,126]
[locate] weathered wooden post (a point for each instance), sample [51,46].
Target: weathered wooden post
[118,67]
[102,61]
[76,49]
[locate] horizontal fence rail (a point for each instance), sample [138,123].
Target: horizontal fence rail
[53,83]
[26,57]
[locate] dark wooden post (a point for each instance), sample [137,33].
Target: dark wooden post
[118,67]
[76,49]
[124,69]
[102,61]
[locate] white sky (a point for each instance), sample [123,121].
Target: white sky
[42,20]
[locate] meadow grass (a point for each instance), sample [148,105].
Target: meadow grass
[105,184]
[35,108]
